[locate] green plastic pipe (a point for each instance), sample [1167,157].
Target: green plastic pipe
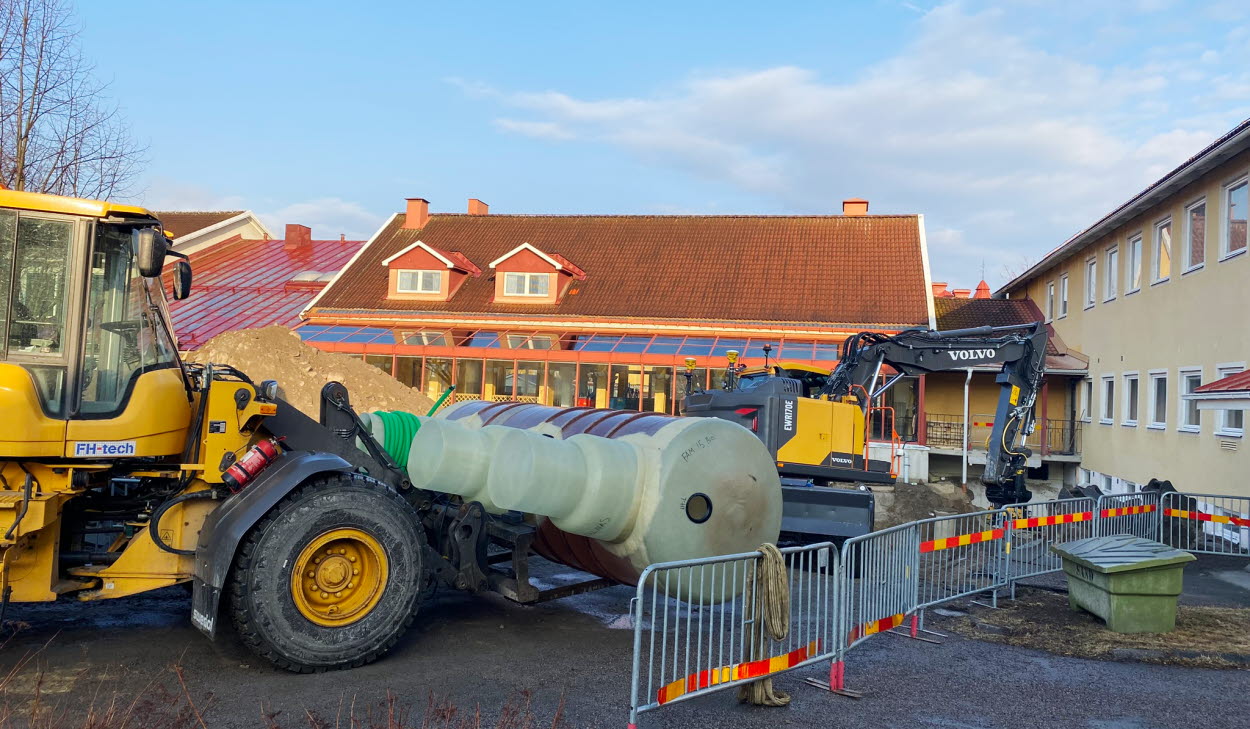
[441,399]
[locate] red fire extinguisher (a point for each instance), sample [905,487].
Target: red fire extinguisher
[258,457]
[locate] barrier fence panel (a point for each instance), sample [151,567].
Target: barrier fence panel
[1033,527]
[879,583]
[1135,514]
[960,555]
[697,628]
[1206,523]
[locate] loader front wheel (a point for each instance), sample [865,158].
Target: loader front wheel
[331,577]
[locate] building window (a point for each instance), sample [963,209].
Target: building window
[1236,200]
[1086,397]
[1163,251]
[419,282]
[1191,417]
[526,284]
[1134,265]
[1195,235]
[1130,399]
[1108,400]
[1063,296]
[1091,282]
[1113,273]
[1050,301]
[1232,422]
[1158,399]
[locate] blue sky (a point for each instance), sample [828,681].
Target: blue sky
[1010,125]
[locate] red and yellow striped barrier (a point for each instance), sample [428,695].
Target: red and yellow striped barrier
[737,672]
[1041,521]
[1128,510]
[1203,516]
[962,540]
[873,627]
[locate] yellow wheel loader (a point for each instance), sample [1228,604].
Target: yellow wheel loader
[123,469]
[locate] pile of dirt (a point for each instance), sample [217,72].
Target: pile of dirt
[906,502]
[276,353]
[1208,637]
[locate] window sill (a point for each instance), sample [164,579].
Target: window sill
[1106,422]
[1063,316]
[1189,429]
[1088,307]
[1191,269]
[1157,426]
[1133,291]
[1129,424]
[1234,254]
[1161,281]
[1108,301]
[1228,433]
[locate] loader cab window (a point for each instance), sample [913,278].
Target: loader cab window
[126,332]
[35,256]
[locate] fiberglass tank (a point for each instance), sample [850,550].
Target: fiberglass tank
[613,491]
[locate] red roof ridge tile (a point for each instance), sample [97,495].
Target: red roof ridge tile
[663,216]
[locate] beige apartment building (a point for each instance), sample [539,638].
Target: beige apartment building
[1157,295]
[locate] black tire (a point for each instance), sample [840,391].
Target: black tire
[262,606]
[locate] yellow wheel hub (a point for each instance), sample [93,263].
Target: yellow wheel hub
[339,577]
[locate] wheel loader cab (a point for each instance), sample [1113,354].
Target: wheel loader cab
[85,336]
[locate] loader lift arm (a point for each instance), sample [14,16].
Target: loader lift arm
[1021,349]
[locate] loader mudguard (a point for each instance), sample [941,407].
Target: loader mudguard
[226,526]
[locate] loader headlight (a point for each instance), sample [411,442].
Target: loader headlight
[267,391]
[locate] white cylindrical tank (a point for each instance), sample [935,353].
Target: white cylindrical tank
[616,490]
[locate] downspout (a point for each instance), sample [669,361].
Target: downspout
[967,383]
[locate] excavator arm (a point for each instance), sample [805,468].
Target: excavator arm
[1021,350]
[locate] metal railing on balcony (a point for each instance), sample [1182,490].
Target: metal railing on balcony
[1051,436]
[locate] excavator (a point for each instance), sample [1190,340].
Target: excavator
[815,425]
[124,469]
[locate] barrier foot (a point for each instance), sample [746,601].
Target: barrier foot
[837,682]
[914,632]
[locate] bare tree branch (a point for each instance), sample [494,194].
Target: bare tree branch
[59,132]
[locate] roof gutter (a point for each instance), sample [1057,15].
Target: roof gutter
[1223,148]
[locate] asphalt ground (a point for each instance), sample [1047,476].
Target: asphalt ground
[483,651]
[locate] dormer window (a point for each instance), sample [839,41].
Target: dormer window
[527,275]
[419,282]
[526,284]
[424,273]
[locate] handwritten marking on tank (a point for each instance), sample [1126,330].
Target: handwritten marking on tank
[700,444]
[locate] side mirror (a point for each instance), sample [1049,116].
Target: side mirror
[182,280]
[151,247]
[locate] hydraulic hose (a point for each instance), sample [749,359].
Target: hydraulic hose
[155,521]
[399,428]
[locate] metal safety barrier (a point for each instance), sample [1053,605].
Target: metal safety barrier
[1206,523]
[879,583]
[960,555]
[697,629]
[695,625]
[1032,528]
[1135,514]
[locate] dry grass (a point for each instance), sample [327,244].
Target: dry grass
[169,701]
[1207,637]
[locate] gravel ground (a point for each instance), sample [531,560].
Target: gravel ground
[484,650]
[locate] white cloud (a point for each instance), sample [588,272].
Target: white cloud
[328,217]
[1006,147]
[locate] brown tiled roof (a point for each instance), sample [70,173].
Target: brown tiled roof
[186,222]
[822,269]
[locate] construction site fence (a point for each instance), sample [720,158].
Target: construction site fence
[1206,523]
[696,627]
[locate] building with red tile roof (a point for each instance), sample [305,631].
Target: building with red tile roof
[195,230]
[605,309]
[244,284]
